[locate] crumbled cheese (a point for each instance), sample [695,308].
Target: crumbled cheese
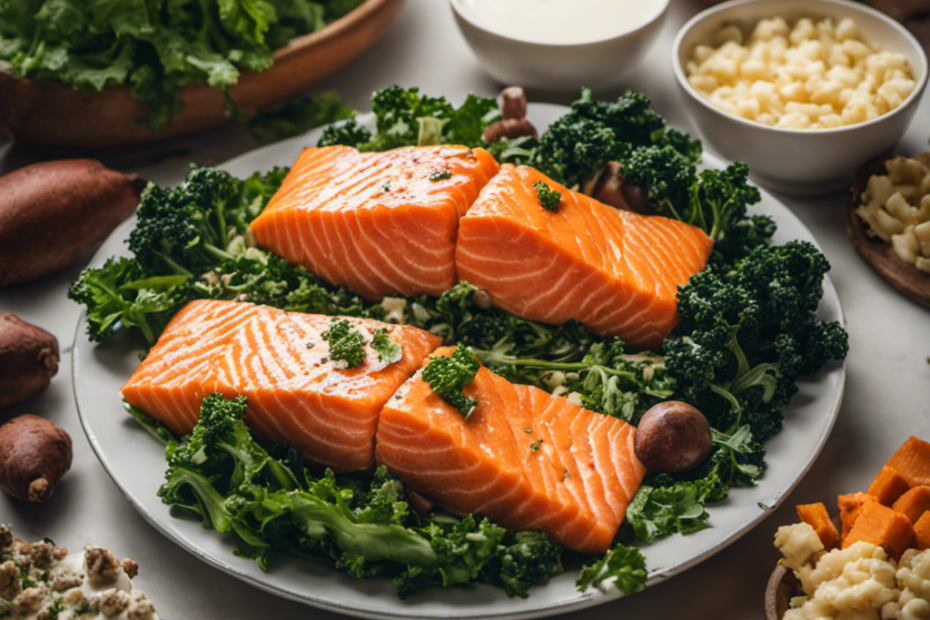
[40,581]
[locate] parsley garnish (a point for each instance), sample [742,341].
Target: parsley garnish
[388,350]
[535,445]
[440,175]
[345,343]
[548,197]
[527,430]
[448,375]
[387,186]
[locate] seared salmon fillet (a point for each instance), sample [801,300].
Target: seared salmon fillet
[377,223]
[524,458]
[615,271]
[280,361]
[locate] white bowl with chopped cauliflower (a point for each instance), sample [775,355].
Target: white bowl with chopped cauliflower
[804,91]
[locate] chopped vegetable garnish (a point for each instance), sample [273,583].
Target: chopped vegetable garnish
[388,350]
[448,375]
[549,199]
[345,343]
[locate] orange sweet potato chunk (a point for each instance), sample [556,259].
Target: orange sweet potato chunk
[914,503]
[850,505]
[888,486]
[912,461]
[817,517]
[882,526]
[922,532]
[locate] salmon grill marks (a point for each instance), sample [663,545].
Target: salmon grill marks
[377,223]
[280,361]
[572,475]
[615,271]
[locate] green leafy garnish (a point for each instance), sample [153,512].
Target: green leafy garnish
[622,568]
[448,375]
[440,175]
[299,116]
[536,445]
[549,199]
[346,343]
[363,526]
[388,350]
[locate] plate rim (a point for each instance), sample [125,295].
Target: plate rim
[584,599]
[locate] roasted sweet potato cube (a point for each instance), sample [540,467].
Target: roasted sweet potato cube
[817,517]
[914,503]
[922,532]
[912,461]
[884,527]
[888,486]
[850,505]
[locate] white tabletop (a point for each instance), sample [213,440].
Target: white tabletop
[887,394]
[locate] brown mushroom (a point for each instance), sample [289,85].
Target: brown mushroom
[672,437]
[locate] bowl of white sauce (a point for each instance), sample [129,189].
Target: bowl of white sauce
[560,44]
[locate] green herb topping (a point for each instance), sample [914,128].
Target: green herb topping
[345,343]
[536,445]
[388,350]
[440,175]
[548,197]
[448,375]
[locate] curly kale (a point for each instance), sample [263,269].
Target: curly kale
[578,145]
[405,117]
[192,242]
[748,331]
[388,351]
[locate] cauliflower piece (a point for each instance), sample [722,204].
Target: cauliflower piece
[799,544]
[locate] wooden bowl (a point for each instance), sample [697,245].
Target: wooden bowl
[877,253]
[46,113]
[781,587]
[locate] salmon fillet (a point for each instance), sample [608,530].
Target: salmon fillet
[280,361]
[377,223]
[615,271]
[524,458]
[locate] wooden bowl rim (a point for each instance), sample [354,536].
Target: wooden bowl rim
[876,253]
[294,46]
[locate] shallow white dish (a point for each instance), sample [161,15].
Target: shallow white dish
[136,463]
[797,161]
[600,64]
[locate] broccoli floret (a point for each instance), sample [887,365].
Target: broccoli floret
[549,199]
[447,376]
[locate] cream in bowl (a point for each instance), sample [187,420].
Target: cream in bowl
[807,74]
[560,44]
[803,91]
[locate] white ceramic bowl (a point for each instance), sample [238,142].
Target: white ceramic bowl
[814,161]
[554,66]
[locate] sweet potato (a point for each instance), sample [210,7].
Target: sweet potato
[884,527]
[850,505]
[912,461]
[914,503]
[817,517]
[34,455]
[922,532]
[28,359]
[51,212]
[888,486]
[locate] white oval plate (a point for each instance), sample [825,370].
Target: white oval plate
[137,464]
